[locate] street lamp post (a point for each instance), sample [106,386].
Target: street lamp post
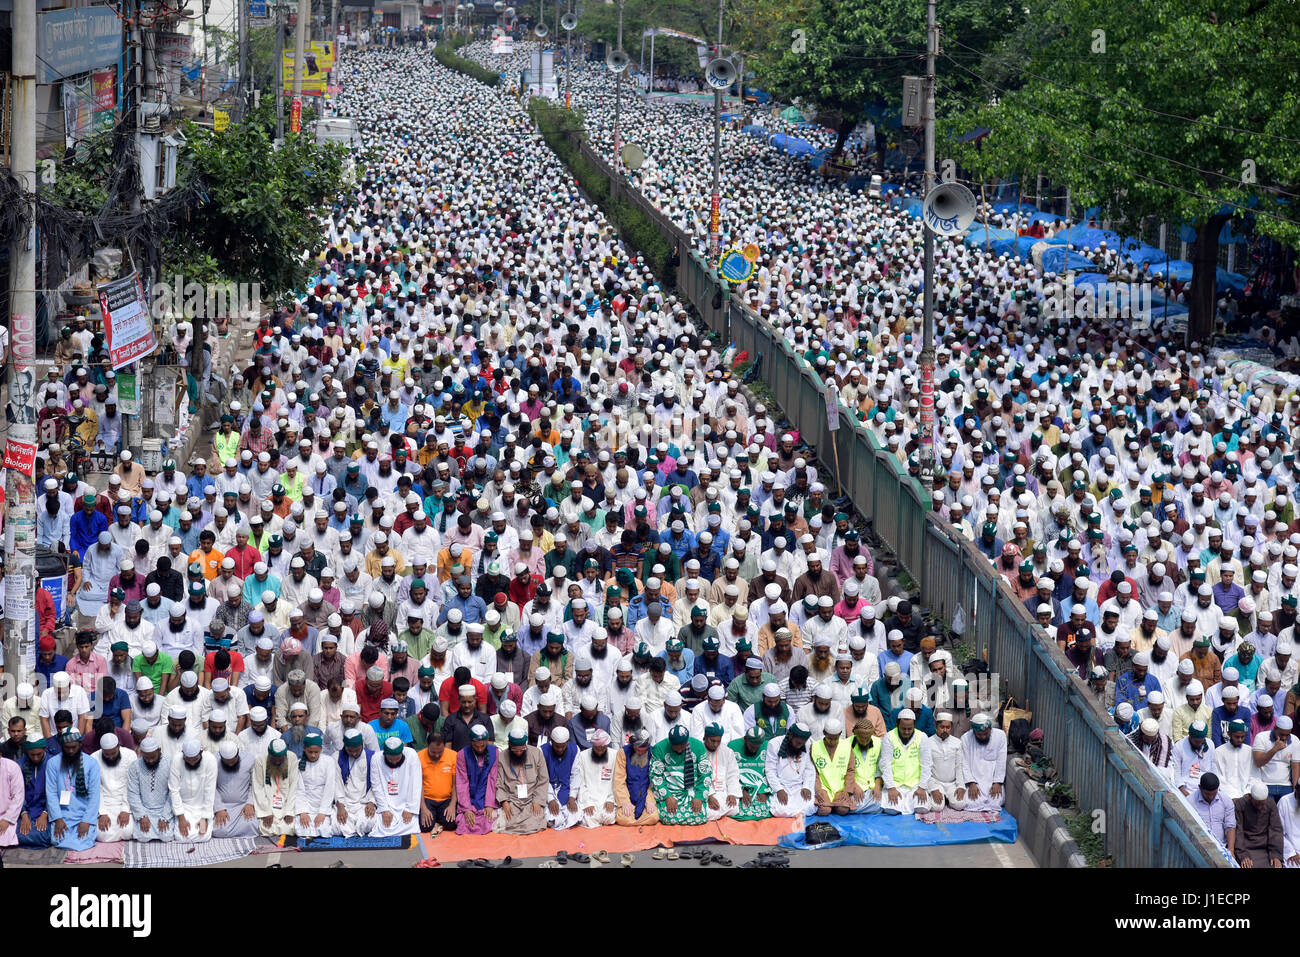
[715,208]
[618,90]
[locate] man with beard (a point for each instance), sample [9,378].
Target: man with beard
[591,783]
[317,780]
[791,774]
[560,755]
[349,718]
[149,796]
[522,788]
[984,756]
[771,713]
[397,787]
[458,726]
[717,709]
[751,764]
[257,737]
[630,721]
[212,737]
[354,804]
[72,795]
[680,778]
[193,786]
[196,700]
[234,815]
[114,809]
[836,790]
[34,822]
[438,777]
[477,773]
[1234,761]
[724,771]
[275,790]
[634,804]
[905,764]
[866,767]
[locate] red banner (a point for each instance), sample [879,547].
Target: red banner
[102,84]
[21,457]
[295,116]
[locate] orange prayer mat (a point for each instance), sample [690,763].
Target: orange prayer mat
[449,847]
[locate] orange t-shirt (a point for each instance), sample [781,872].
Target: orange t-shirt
[439,777]
[211,561]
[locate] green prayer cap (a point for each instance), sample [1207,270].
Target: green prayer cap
[313,741]
[89,499]
[1237,725]
[393,745]
[518,737]
[418,583]
[34,744]
[713,730]
[678,735]
[755,734]
[352,738]
[796,730]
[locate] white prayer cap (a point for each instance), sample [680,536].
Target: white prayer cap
[1150,727]
[673,699]
[228,749]
[218,715]
[1156,697]
[149,745]
[1195,687]
[108,742]
[191,747]
[771,690]
[907,713]
[1259,791]
[257,713]
[560,735]
[833,726]
[178,712]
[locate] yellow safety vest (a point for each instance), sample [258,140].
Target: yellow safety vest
[831,769]
[293,486]
[907,759]
[866,767]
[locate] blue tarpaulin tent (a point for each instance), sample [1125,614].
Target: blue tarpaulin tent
[1229,281]
[729,117]
[1024,209]
[1147,254]
[792,145]
[979,234]
[753,130]
[1059,259]
[1179,269]
[912,206]
[1090,236]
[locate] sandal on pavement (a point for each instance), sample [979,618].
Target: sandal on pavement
[672,854]
[627,860]
[510,862]
[659,854]
[602,856]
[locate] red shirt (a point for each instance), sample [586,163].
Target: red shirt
[449,695]
[368,704]
[236,665]
[245,558]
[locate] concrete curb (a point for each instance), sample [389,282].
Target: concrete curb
[1042,827]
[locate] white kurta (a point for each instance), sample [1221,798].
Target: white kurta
[1235,769]
[353,793]
[316,782]
[1289,811]
[112,796]
[986,765]
[396,790]
[792,774]
[593,785]
[907,802]
[725,782]
[948,770]
[194,796]
[730,717]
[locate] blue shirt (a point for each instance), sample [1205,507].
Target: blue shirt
[85,528]
[1219,815]
[113,709]
[399,728]
[473,608]
[1135,692]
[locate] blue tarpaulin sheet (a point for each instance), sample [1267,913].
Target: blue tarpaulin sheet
[1025,209]
[1090,236]
[1180,269]
[1020,246]
[904,830]
[1059,259]
[753,130]
[791,144]
[912,206]
[978,234]
[729,117]
[1233,281]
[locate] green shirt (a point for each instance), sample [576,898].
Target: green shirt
[745,694]
[162,665]
[418,645]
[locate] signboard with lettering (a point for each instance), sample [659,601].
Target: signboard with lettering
[173,48]
[71,42]
[128,325]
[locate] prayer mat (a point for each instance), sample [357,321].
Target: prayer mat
[356,843]
[949,816]
[449,847]
[109,852]
[904,830]
[216,851]
[34,856]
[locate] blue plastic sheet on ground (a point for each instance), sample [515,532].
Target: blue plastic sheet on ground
[1059,259]
[1090,237]
[904,830]
[979,234]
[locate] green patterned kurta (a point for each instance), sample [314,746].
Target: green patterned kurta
[753,781]
[668,779]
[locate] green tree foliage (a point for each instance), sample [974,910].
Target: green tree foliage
[1147,109]
[260,223]
[844,55]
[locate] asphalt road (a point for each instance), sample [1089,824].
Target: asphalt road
[958,855]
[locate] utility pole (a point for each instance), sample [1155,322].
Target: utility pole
[715,208]
[279,72]
[927,347]
[618,92]
[20,493]
[299,64]
[241,88]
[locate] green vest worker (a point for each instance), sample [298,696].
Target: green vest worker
[836,790]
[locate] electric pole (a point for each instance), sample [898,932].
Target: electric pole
[715,207]
[20,493]
[279,72]
[299,64]
[927,339]
[241,88]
